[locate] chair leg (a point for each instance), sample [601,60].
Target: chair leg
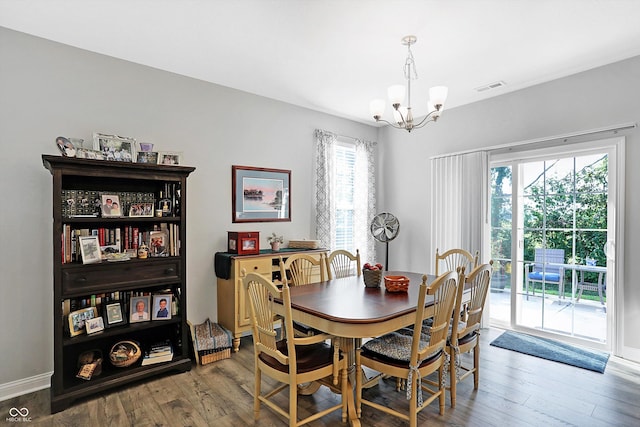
[443,390]
[293,405]
[256,392]
[358,383]
[452,377]
[476,364]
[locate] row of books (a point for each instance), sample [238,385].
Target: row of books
[162,240]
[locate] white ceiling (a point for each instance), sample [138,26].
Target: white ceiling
[335,56]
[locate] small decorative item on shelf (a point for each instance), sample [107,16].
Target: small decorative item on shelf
[124,354]
[275,242]
[372,274]
[89,364]
[396,283]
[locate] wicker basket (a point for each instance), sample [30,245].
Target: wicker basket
[210,356]
[124,354]
[372,278]
[396,283]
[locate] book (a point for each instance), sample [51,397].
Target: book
[158,353]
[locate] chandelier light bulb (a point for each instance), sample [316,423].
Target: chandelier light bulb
[377,107]
[438,95]
[396,94]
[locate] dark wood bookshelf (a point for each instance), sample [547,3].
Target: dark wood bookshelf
[75,280]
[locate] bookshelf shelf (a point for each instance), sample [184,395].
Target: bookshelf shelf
[77,285]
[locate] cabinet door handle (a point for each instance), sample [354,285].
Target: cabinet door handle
[169,271]
[81,279]
[255,267]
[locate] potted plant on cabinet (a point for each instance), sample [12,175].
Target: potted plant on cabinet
[275,241]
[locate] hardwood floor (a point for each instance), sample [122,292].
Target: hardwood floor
[515,390]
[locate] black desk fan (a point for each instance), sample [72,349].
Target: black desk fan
[385,228]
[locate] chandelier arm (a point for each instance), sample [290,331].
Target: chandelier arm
[390,124]
[427,119]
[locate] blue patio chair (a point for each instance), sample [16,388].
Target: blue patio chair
[545,269]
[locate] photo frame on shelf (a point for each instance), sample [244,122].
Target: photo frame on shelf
[66,147]
[90,249]
[110,206]
[78,319]
[161,307]
[141,210]
[140,307]
[148,157]
[260,194]
[170,157]
[113,314]
[94,325]
[158,244]
[115,148]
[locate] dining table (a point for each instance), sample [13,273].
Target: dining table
[347,309]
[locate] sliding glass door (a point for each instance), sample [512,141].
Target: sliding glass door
[551,222]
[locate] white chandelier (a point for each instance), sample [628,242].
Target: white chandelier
[403,116]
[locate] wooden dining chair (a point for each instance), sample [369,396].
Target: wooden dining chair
[291,361]
[302,269]
[465,333]
[453,258]
[342,263]
[413,354]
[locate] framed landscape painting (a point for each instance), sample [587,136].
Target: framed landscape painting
[260,194]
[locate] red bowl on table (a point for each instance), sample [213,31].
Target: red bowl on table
[396,283]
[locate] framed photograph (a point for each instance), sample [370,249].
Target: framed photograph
[86,153]
[147,157]
[66,147]
[170,158]
[90,249]
[110,206]
[158,244]
[140,307]
[161,307]
[113,315]
[115,148]
[78,319]
[142,210]
[260,194]
[94,325]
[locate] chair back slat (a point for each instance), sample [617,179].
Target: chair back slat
[262,293]
[302,269]
[454,258]
[342,263]
[443,289]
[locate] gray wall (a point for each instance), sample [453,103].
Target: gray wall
[590,100]
[48,89]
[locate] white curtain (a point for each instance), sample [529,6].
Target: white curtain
[364,193]
[459,185]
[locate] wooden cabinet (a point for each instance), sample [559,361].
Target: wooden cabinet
[77,285]
[233,305]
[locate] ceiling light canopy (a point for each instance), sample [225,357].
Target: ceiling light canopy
[402,115]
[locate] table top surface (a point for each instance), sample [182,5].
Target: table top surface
[347,300]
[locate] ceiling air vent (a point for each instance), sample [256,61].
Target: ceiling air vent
[490,86]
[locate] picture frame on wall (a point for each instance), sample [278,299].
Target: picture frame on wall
[260,194]
[115,148]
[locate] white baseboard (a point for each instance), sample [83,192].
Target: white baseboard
[25,385]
